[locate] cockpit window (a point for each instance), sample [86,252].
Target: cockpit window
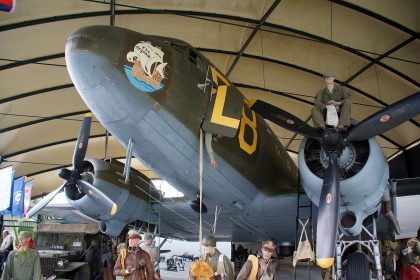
[193,56]
[181,48]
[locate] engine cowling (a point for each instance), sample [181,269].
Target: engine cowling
[363,178]
[132,197]
[111,227]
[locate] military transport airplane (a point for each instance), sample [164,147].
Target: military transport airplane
[154,94]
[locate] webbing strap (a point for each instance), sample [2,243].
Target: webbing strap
[123,255]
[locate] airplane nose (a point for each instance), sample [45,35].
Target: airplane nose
[91,54]
[80,42]
[86,58]
[96,58]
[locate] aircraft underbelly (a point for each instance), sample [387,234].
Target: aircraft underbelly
[266,217]
[167,152]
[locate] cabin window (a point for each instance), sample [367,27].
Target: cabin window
[196,60]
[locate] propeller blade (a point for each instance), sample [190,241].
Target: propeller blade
[329,204]
[82,142]
[37,207]
[98,197]
[386,119]
[283,119]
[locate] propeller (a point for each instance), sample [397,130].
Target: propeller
[82,142]
[74,179]
[97,197]
[283,119]
[44,202]
[333,144]
[327,223]
[386,119]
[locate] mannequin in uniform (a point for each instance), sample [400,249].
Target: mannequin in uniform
[219,263]
[134,263]
[262,266]
[335,95]
[153,252]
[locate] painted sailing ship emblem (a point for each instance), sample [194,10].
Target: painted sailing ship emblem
[147,71]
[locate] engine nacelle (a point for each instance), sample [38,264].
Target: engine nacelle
[112,227]
[363,177]
[132,198]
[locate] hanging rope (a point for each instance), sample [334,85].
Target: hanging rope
[201,269]
[200,235]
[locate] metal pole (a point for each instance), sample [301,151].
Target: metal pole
[112,19]
[106,144]
[163,242]
[376,251]
[338,254]
[127,166]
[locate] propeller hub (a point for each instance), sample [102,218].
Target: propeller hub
[346,159]
[332,141]
[64,173]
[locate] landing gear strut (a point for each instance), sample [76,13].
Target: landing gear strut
[356,265]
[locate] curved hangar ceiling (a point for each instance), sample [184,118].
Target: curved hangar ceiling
[271,50]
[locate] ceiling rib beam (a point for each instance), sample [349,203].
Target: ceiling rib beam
[379,58]
[47,145]
[305,70]
[281,93]
[41,120]
[270,91]
[404,149]
[346,48]
[196,15]
[228,53]
[375,16]
[35,92]
[31,60]
[254,31]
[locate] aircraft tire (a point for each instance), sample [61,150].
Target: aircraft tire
[357,267]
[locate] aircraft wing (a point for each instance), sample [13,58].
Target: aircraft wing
[252,223]
[60,208]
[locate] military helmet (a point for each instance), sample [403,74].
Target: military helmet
[209,240]
[148,236]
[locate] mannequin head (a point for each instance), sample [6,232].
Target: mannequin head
[329,78]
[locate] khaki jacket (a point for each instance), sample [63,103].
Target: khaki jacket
[338,94]
[213,261]
[18,268]
[138,259]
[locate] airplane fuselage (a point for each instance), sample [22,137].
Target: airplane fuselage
[165,123]
[160,92]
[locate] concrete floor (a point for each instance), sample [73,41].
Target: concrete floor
[285,272]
